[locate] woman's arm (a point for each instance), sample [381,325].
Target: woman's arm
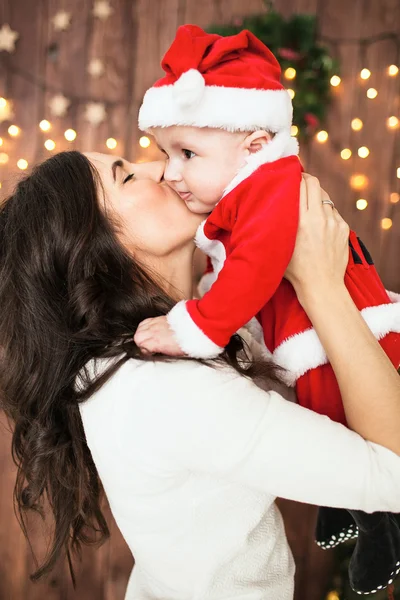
[369,384]
[216,422]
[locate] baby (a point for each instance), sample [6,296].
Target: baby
[223,119]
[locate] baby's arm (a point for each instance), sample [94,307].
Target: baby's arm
[262,243]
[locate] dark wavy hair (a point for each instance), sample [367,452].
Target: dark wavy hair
[69,292]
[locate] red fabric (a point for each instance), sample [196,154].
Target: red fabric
[238,61]
[257,224]
[258,249]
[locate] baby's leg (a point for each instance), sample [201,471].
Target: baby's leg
[318,390]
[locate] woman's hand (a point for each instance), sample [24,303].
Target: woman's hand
[322,252]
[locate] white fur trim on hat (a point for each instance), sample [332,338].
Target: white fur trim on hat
[233,109]
[281,145]
[304,351]
[190,338]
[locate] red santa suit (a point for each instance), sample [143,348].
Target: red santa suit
[233,83]
[250,238]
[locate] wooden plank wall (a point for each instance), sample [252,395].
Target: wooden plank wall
[131,43]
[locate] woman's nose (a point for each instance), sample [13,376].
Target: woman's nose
[151,170]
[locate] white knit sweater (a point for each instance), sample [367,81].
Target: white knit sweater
[192,458]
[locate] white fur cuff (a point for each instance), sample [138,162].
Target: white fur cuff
[190,337]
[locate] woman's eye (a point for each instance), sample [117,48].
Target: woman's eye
[129,177]
[188,153]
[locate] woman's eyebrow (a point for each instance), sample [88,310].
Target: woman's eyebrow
[117,163]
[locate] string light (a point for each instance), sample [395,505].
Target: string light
[49,145]
[392,122]
[394,197]
[393,70]
[357,124]
[398,172]
[45,125]
[365,74]
[335,80]
[1,141]
[3,158]
[290,73]
[291,93]
[386,223]
[345,153]
[322,136]
[363,152]
[372,93]
[361,204]
[358,181]
[22,164]
[111,143]
[13,130]
[144,142]
[294,130]
[70,135]
[3,103]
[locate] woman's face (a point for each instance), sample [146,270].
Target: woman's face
[154,219]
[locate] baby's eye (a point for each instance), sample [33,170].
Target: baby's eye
[188,153]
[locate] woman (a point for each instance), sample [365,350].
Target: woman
[191,455]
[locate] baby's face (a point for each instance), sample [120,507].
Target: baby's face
[201,162]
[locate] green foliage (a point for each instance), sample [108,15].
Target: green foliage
[294,42]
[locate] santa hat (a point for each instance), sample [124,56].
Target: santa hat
[230,83]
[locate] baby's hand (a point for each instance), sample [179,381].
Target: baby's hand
[155,335]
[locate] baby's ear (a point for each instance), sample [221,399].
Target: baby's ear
[256,140]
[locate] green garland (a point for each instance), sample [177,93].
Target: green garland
[294,43]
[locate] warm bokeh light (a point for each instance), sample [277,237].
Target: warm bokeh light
[358,181]
[394,197]
[45,125]
[144,141]
[333,596]
[3,102]
[345,153]
[357,124]
[111,143]
[393,70]
[322,136]
[335,80]
[372,93]
[1,141]
[365,74]
[70,135]
[392,122]
[386,223]
[49,145]
[363,152]
[14,130]
[290,73]
[398,173]
[4,158]
[361,204]
[294,130]
[22,164]
[291,93]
